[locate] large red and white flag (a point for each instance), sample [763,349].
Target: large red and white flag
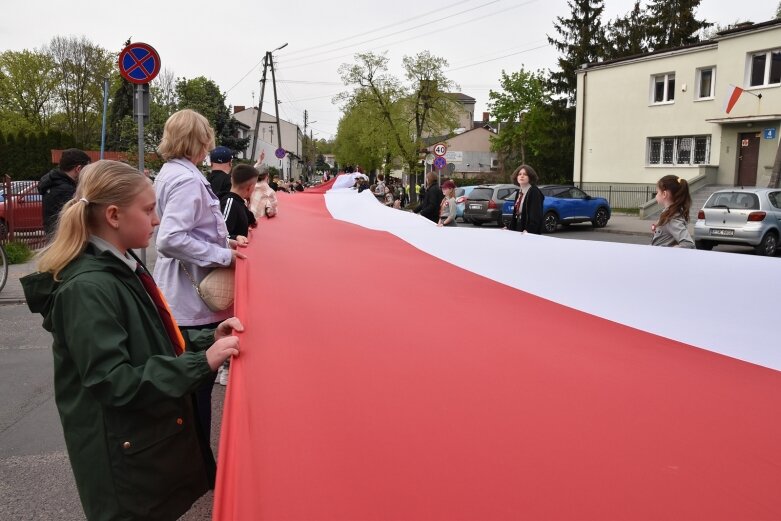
[394,370]
[733,94]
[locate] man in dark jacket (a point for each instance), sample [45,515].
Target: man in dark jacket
[219,178]
[58,186]
[432,197]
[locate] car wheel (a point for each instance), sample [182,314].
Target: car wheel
[600,218]
[550,222]
[704,245]
[768,245]
[476,223]
[3,230]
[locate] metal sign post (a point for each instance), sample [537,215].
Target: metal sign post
[439,164]
[139,63]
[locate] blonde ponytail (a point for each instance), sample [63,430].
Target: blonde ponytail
[100,184]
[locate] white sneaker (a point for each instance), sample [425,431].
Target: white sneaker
[224,376]
[219,374]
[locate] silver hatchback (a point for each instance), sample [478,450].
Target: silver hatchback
[749,216]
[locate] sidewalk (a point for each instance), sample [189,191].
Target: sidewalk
[12,292]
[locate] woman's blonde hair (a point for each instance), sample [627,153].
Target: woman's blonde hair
[100,184]
[186,134]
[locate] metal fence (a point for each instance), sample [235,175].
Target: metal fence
[21,213]
[621,196]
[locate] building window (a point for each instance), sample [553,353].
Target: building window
[679,150]
[765,68]
[663,88]
[706,83]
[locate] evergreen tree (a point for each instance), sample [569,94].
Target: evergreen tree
[580,40]
[120,107]
[628,35]
[227,132]
[672,23]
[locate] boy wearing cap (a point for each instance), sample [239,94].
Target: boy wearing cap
[219,178]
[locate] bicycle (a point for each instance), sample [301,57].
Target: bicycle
[3,267]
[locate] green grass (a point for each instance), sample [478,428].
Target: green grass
[629,211]
[17,252]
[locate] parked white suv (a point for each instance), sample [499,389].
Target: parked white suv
[750,216]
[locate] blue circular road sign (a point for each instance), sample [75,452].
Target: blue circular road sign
[280,153]
[139,63]
[440,162]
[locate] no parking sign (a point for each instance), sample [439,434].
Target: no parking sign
[139,63]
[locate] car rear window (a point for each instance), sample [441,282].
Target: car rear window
[481,194]
[733,200]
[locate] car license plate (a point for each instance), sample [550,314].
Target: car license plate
[474,206]
[720,231]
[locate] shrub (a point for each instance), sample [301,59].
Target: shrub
[17,252]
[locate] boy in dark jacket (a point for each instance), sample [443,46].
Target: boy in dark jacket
[238,218]
[58,186]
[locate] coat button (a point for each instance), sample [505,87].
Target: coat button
[179,421]
[126,445]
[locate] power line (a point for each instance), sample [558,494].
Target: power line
[428,33]
[343,39]
[351,37]
[499,58]
[424,24]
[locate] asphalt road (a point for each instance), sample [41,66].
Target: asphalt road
[35,477]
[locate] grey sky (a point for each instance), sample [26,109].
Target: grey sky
[224,40]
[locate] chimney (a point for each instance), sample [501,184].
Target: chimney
[485,117]
[238,108]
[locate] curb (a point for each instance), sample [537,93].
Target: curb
[12,301]
[625,232]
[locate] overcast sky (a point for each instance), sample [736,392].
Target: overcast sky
[226,40]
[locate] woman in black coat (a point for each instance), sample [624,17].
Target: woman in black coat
[527,212]
[429,206]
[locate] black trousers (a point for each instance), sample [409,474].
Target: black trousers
[202,402]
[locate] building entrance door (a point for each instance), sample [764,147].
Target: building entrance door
[748,158]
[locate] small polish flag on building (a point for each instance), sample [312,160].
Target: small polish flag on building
[733,93]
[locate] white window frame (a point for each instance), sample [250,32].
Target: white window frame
[675,145]
[666,77]
[768,65]
[698,83]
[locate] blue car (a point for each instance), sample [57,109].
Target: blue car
[565,205]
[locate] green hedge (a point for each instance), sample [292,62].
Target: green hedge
[28,156]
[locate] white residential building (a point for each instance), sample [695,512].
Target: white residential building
[268,141]
[643,117]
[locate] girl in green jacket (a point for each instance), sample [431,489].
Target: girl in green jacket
[123,373]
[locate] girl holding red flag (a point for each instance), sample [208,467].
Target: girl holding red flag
[123,372]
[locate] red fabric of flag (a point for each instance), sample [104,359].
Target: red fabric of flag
[377,381]
[733,94]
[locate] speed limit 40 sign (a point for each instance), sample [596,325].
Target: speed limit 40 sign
[440,149]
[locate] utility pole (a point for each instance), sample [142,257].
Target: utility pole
[268,62]
[306,120]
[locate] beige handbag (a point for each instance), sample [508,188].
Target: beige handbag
[217,288]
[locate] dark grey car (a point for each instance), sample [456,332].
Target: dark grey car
[485,203]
